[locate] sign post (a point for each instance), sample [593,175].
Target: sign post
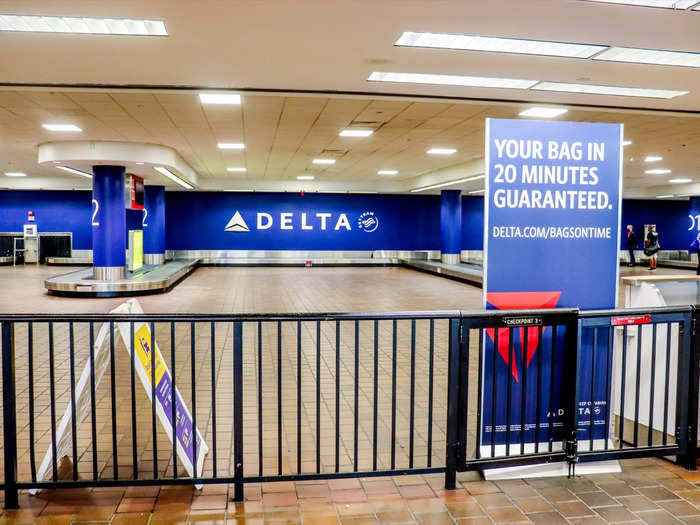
[552,220]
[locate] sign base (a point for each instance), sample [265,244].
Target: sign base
[547,470]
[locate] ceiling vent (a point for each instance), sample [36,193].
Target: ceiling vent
[332,153]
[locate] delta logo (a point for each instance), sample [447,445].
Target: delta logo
[322,221]
[529,336]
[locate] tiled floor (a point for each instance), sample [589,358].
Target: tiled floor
[649,491]
[602,499]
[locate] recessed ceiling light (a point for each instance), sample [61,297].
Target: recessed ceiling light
[608,90]
[664,196]
[653,158]
[500,45]
[237,169]
[538,112]
[441,151]
[140,163]
[679,181]
[61,127]
[305,177]
[82,25]
[657,172]
[219,98]
[173,177]
[476,191]
[231,145]
[626,142]
[450,183]
[74,171]
[650,56]
[667,4]
[323,161]
[356,132]
[452,80]
[15,174]
[387,172]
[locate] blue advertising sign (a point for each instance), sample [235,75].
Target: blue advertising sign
[552,216]
[292,221]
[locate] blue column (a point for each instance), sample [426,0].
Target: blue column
[450,226]
[154,225]
[108,222]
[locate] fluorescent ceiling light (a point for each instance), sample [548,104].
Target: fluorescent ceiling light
[657,172]
[441,151]
[82,25]
[476,191]
[231,145]
[323,161]
[608,90]
[15,174]
[667,4]
[61,127]
[500,45]
[653,158]
[664,196]
[626,142]
[650,56]
[305,177]
[539,112]
[140,163]
[173,177]
[74,171]
[239,191]
[387,172]
[219,98]
[452,80]
[450,183]
[679,181]
[236,169]
[356,132]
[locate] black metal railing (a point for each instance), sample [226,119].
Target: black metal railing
[291,397]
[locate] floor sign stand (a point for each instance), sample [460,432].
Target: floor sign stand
[552,206]
[143,344]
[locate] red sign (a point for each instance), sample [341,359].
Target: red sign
[134,192]
[632,319]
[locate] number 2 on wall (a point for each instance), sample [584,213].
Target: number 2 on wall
[96,208]
[145,215]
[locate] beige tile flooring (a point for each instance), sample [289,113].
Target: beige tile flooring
[226,290]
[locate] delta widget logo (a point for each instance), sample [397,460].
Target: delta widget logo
[368,222]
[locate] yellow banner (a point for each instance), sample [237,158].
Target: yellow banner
[143,346]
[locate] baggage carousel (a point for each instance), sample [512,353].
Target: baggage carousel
[149,279]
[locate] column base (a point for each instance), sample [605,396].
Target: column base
[108,273]
[450,258]
[153,258]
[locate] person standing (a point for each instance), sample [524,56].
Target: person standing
[652,246]
[631,244]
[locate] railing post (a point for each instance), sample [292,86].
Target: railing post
[687,413]
[238,410]
[453,415]
[570,383]
[9,416]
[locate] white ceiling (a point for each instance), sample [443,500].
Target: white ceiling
[321,45]
[283,135]
[317,47]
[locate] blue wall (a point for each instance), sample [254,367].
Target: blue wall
[55,211]
[196,220]
[670,217]
[472,223]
